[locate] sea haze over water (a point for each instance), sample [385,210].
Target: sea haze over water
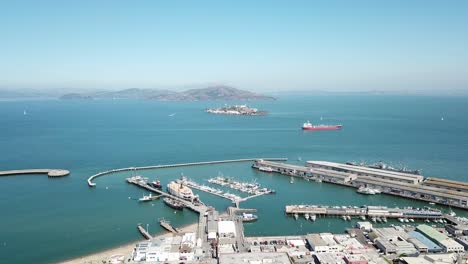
[45,220]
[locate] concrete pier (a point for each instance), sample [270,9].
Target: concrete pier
[49,172]
[144,233]
[92,184]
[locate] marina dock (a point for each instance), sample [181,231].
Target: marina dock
[433,190]
[92,184]
[50,172]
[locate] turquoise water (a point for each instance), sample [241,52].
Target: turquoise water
[45,220]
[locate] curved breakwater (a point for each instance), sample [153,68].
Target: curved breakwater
[92,184]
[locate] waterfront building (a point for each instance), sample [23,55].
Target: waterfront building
[463,240]
[364,171]
[258,257]
[443,240]
[322,243]
[355,259]
[227,229]
[395,246]
[428,244]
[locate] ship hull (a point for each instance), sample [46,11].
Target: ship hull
[319,128]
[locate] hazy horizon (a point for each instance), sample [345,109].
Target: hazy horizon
[264,46]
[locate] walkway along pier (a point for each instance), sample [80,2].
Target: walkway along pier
[92,184]
[50,172]
[366,211]
[441,191]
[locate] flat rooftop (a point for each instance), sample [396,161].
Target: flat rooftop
[254,258]
[462,186]
[367,170]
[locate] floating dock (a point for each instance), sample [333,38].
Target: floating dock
[445,192]
[92,184]
[50,172]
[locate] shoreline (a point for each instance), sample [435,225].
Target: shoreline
[125,249]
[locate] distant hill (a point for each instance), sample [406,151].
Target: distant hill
[75,96]
[205,94]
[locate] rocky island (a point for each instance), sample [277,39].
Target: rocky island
[236,110]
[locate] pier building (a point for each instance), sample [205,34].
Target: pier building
[441,191]
[369,172]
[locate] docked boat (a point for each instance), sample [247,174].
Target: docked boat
[174,203]
[313,217]
[181,191]
[265,169]
[296,216]
[344,217]
[146,198]
[156,184]
[306,216]
[249,217]
[366,190]
[384,219]
[308,126]
[291,181]
[363,217]
[373,219]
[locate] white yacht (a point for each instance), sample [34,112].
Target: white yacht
[146,198]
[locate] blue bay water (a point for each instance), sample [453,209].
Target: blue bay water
[45,220]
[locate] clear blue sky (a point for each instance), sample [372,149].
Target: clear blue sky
[258,45]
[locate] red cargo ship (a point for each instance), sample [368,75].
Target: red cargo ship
[308,126]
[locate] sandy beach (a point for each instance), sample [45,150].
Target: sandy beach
[125,250]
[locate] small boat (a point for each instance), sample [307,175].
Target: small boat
[344,217]
[411,220]
[146,198]
[401,220]
[313,217]
[379,220]
[406,220]
[427,221]
[291,181]
[362,217]
[432,203]
[373,219]
[296,216]
[348,217]
[306,216]
[384,219]
[156,184]
[318,179]
[24,112]
[174,203]
[366,190]
[265,169]
[249,217]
